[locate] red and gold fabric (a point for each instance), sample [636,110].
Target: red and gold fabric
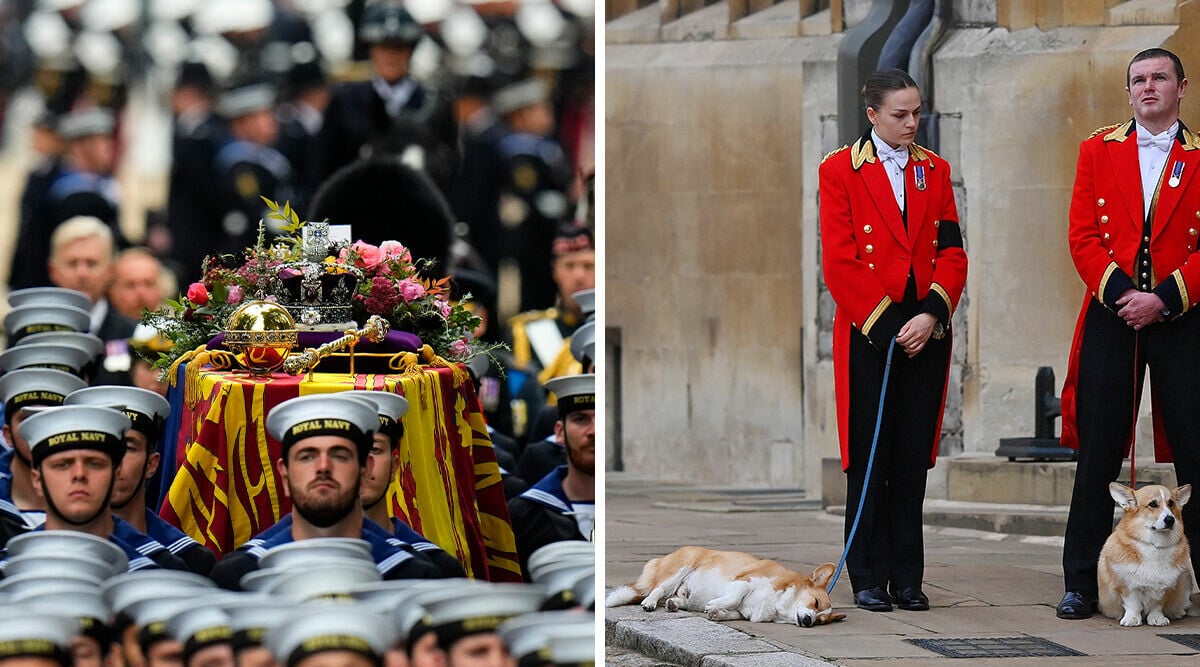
[869,249]
[448,488]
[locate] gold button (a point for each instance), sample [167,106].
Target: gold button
[870,248]
[1100,201]
[1189,247]
[1144,274]
[1104,219]
[935,243]
[933,262]
[867,228]
[938,223]
[1145,239]
[871,266]
[1110,253]
[1145,263]
[1192,231]
[1107,236]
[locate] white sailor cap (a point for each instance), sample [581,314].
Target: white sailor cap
[329,579]
[528,636]
[323,414]
[301,553]
[36,386]
[479,610]
[583,342]
[85,605]
[224,16]
[151,614]
[50,296]
[574,392]
[129,588]
[519,95]
[315,628]
[251,616]
[391,407]
[147,411]
[58,542]
[49,580]
[37,634]
[59,5]
[586,298]
[245,100]
[560,584]
[547,562]
[572,649]
[86,123]
[67,358]
[35,318]
[84,341]
[409,615]
[40,563]
[73,427]
[200,626]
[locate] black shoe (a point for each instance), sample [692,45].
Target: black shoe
[911,599]
[873,599]
[1076,605]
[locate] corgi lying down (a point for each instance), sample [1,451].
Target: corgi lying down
[731,585]
[1145,565]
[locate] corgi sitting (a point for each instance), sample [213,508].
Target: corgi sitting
[731,585]
[1145,565]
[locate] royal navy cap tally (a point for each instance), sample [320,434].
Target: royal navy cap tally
[37,634]
[574,392]
[38,563]
[391,407]
[520,95]
[246,100]
[50,296]
[316,627]
[151,614]
[35,318]
[302,553]
[583,342]
[66,358]
[331,579]
[146,410]
[84,341]
[59,542]
[586,298]
[36,386]
[86,123]
[199,626]
[125,589]
[323,414]
[480,610]
[75,427]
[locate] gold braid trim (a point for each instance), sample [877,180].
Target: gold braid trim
[941,291]
[414,363]
[833,152]
[196,359]
[1183,290]
[1118,134]
[875,315]
[1112,266]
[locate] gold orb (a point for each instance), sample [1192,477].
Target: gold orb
[261,334]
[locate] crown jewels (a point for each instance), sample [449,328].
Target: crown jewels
[318,291]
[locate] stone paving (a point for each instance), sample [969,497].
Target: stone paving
[980,585]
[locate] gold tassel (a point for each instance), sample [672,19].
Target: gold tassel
[457,370]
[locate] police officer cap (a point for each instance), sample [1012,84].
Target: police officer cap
[574,392]
[59,542]
[583,342]
[124,590]
[36,386]
[34,318]
[576,550]
[478,610]
[316,627]
[84,341]
[387,21]
[391,407]
[37,634]
[298,554]
[529,634]
[519,95]
[86,123]
[59,357]
[586,298]
[323,414]
[49,580]
[40,563]
[147,411]
[75,427]
[245,100]
[50,296]
[332,578]
[199,626]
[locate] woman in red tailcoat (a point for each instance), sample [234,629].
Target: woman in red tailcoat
[893,259]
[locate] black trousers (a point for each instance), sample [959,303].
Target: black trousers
[888,547]
[1109,378]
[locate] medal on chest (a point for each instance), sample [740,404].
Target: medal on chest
[920,174]
[1176,174]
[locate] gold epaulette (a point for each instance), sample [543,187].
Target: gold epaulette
[522,352]
[531,315]
[1102,130]
[1115,132]
[920,152]
[834,152]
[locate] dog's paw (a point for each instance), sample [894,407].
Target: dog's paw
[648,606]
[713,614]
[1131,620]
[1155,618]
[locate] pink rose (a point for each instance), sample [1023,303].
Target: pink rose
[443,306]
[369,256]
[395,250]
[410,290]
[460,348]
[235,294]
[197,294]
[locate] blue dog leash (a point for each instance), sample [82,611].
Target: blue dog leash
[862,498]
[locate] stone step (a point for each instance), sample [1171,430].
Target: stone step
[1006,518]
[993,479]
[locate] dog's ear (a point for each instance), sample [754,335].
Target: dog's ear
[1182,494]
[1123,495]
[824,572]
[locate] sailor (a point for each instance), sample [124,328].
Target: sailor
[350,635]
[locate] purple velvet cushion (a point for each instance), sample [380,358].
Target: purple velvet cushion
[395,341]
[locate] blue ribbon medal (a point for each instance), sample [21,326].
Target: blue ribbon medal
[920,169]
[1176,173]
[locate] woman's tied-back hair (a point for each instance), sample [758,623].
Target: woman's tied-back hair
[880,83]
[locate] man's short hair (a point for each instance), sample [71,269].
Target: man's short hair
[80,227]
[1156,52]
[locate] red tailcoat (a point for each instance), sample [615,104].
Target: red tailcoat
[1106,234]
[867,252]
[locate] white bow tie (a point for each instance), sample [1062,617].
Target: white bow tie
[899,156]
[1160,141]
